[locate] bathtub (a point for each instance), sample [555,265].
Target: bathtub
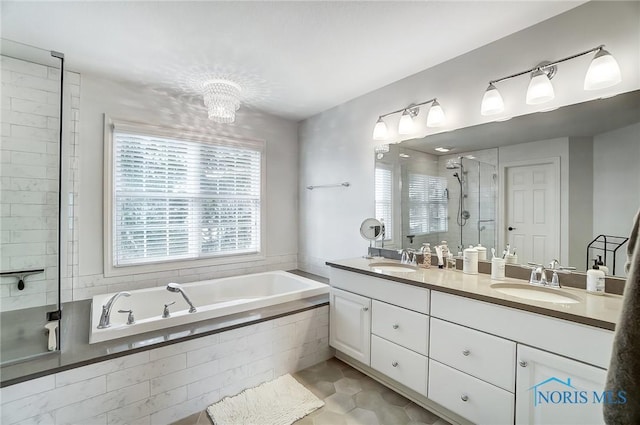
[212,298]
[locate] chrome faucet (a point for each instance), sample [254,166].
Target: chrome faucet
[408,256]
[555,266]
[176,287]
[105,317]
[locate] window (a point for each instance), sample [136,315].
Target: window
[427,204]
[383,198]
[179,199]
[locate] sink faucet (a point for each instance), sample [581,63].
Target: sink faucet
[105,317]
[408,257]
[176,287]
[555,266]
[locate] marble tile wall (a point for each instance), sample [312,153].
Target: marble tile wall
[166,384]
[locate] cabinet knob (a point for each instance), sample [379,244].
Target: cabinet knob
[522,363]
[464,397]
[394,364]
[365,308]
[466,352]
[396,326]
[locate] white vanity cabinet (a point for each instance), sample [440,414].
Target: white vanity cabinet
[554,390]
[350,324]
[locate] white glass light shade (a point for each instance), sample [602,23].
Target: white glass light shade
[540,89]
[492,102]
[222,99]
[435,117]
[603,72]
[405,126]
[380,130]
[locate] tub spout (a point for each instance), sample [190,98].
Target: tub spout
[176,287]
[105,317]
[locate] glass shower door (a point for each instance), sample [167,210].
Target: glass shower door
[30,176]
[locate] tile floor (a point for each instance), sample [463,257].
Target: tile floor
[351,398]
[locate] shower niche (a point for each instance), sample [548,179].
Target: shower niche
[430,198]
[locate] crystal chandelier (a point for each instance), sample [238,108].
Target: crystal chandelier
[222,99]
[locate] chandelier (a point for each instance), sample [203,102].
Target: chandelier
[222,99]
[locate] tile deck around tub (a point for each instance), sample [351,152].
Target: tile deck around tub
[351,398]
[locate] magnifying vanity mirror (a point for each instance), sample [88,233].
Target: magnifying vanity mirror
[547,183]
[371,229]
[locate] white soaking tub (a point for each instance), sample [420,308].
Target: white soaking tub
[212,298]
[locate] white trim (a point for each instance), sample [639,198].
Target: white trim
[501,224]
[109,269]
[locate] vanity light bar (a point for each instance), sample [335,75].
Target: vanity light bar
[435,118]
[603,72]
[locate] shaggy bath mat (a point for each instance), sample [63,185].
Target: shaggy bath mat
[279,402]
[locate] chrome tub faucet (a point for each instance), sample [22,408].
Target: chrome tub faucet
[105,317]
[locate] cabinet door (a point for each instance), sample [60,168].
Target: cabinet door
[350,324]
[551,389]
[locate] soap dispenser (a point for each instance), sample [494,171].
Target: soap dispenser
[595,279]
[601,265]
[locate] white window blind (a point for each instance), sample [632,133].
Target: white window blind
[427,204]
[178,199]
[383,199]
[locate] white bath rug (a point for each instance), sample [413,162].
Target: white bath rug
[279,402]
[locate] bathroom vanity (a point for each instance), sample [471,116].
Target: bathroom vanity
[454,344]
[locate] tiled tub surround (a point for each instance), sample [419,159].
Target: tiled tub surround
[164,384]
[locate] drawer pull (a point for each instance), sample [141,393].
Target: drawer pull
[396,326]
[523,363]
[466,352]
[365,308]
[464,397]
[394,364]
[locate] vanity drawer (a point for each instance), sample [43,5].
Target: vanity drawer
[404,327]
[398,363]
[469,397]
[484,356]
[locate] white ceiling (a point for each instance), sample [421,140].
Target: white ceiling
[294,59]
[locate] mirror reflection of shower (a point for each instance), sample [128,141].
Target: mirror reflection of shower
[462,215]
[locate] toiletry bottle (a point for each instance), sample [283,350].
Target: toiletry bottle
[445,250]
[470,260]
[451,261]
[595,280]
[426,254]
[601,265]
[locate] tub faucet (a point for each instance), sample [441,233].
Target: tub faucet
[176,287]
[105,317]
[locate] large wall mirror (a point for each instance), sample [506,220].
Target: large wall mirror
[547,183]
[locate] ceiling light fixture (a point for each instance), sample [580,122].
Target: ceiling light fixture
[603,72]
[442,149]
[222,99]
[435,118]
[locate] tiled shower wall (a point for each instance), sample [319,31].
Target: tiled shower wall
[166,384]
[29,156]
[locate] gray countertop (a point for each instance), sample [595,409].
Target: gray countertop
[76,350]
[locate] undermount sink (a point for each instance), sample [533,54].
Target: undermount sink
[536,293]
[393,267]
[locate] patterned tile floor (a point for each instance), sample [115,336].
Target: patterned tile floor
[351,398]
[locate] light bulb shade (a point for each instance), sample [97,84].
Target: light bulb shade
[492,102]
[222,99]
[380,130]
[540,89]
[435,117]
[405,126]
[603,72]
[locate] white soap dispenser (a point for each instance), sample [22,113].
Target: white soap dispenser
[595,280]
[601,265]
